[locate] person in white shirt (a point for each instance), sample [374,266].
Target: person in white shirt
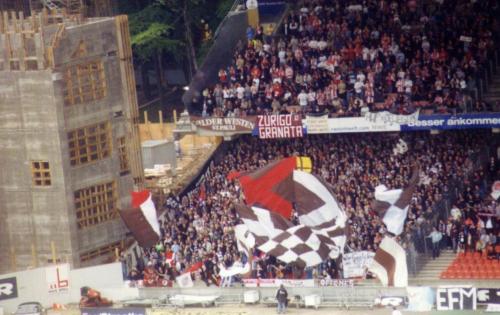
[302,97]
[435,237]
[358,88]
[240,92]
[408,84]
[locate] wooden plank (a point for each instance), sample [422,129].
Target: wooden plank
[131,108]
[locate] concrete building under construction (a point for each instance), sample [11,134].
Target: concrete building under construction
[88,8]
[69,144]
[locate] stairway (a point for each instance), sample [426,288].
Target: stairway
[431,271]
[493,94]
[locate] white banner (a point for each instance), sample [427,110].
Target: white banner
[359,124]
[340,283]
[457,297]
[57,278]
[355,264]
[274,283]
[316,125]
[389,118]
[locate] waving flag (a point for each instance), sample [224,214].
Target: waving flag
[141,219]
[320,233]
[264,187]
[392,205]
[185,280]
[389,264]
[245,240]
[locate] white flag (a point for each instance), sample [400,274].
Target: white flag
[184,280]
[389,264]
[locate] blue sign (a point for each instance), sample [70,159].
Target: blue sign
[449,122]
[113,311]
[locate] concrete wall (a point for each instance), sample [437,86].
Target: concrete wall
[101,44]
[33,286]
[30,215]
[33,126]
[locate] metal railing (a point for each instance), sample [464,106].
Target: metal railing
[441,209]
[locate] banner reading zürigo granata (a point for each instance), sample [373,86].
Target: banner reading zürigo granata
[279,126]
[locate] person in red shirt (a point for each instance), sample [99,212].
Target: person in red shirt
[223,76]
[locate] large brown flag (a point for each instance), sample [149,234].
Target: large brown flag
[141,219]
[389,264]
[321,229]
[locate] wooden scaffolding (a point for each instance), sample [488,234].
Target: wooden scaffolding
[130,96]
[22,43]
[87,8]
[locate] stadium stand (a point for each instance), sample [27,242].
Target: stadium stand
[197,227]
[345,59]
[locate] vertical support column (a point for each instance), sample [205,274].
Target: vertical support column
[253,13]
[34,255]
[13,262]
[54,254]
[131,108]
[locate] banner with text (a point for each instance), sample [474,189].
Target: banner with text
[389,118]
[360,124]
[317,124]
[448,122]
[274,283]
[355,264]
[338,283]
[222,125]
[279,126]
[450,298]
[113,311]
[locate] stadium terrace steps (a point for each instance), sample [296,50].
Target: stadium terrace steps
[433,268]
[493,94]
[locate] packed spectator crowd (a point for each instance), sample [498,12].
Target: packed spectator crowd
[345,58]
[198,228]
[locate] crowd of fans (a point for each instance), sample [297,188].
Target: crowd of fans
[346,58]
[199,226]
[349,57]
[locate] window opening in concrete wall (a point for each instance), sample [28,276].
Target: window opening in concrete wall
[122,151]
[40,170]
[84,83]
[96,204]
[89,144]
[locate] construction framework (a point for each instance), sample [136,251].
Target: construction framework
[88,8]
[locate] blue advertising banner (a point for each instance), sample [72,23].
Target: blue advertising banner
[113,311]
[448,122]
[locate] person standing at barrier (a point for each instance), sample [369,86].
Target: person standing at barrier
[435,237]
[282,297]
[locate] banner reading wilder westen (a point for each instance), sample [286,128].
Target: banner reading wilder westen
[279,126]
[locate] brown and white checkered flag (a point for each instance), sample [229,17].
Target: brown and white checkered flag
[321,233]
[392,205]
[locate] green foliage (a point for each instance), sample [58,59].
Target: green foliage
[152,31]
[154,40]
[158,26]
[223,8]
